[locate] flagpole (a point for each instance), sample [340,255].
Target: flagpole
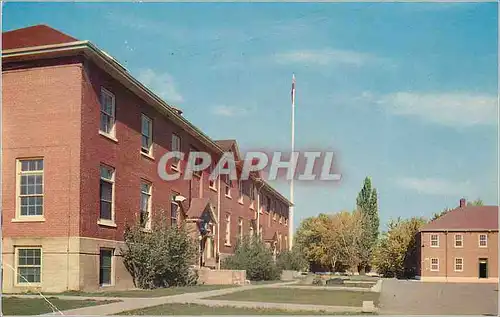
[290,214]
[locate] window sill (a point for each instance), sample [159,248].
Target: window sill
[37,285]
[106,223]
[212,188]
[148,156]
[483,246]
[148,230]
[227,244]
[240,201]
[108,136]
[228,196]
[29,219]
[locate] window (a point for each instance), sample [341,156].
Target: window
[260,232]
[274,215]
[240,190]
[107,112]
[240,228]
[483,241]
[227,239]
[459,264]
[434,264]
[211,182]
[286,243]
[107,183]
[459,240]
[252,192]
[105,266]
[228,185]
[268,204]
[147,135]
[176,147]
[286,221]
[197,161]
[174,209]
[145,212]
[30,180]
[29,265]
[251,233]
[281,219]
[434,241]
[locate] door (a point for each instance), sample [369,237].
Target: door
[483,268]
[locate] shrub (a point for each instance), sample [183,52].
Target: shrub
[255,258]
[293,260]
[161,257]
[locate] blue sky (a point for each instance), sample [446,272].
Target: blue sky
[404,92]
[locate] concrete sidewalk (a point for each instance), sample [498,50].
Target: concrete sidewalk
[131,303]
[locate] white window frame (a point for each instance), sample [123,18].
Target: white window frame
[240,227]
[240,191]
[112,267]
[176,146]
[274,215]
[149,193]
[17,266]
[19,174]
[437,264]
[103,221]
[485,240]
[436,240]
[228,186]
[286,221]
[461,264]
[174,220]
[147,150]
[112,132]
[281,219]
[461,240]
[227,237]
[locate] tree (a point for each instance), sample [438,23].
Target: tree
[477,202]
[255,258]
[292,260]
[395,254]
[161,257]
[367,203]
[332,240]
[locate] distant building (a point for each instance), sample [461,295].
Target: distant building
[81,140]
[461,246]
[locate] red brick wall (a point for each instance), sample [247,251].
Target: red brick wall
[54,112]
[470,252]
[41,118]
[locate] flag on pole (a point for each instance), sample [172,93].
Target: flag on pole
[293,88]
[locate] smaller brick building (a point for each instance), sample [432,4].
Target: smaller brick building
[461,246]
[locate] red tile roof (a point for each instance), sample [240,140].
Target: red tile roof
[36,35]
[468,218]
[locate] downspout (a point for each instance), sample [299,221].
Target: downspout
[218,223]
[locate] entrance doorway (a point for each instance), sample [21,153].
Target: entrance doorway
[483,268]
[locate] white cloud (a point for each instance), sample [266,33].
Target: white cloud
[162,84]
[451,109]
[227,111]
[435,186]
[325,57]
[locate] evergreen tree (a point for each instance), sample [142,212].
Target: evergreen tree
[367,203]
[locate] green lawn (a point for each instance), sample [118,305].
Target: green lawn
[362,285]
[265,282]
[37,306]
[158,292]
[302,296]
[196,309]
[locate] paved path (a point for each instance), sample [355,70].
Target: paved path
[138,303]
[401,297]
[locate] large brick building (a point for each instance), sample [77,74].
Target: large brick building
[461,246]
[81,143]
